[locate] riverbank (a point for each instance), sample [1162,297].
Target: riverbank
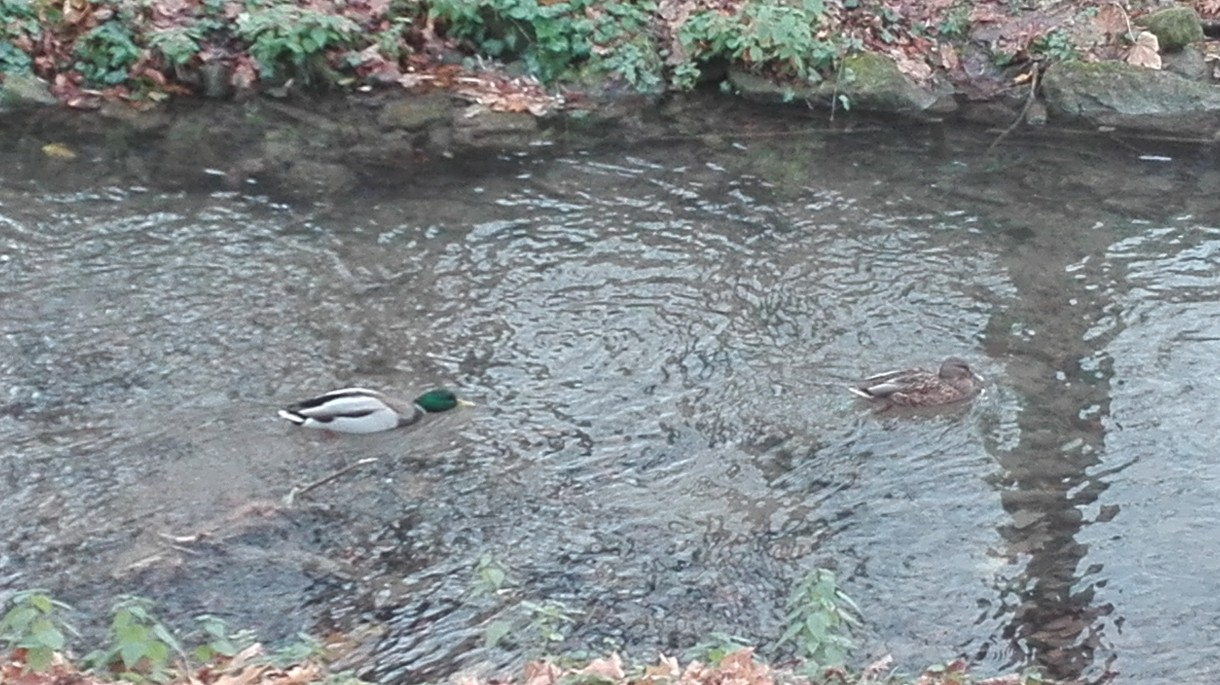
[1089,63]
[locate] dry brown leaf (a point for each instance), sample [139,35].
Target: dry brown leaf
[541,673]
[666,669]
[950,672]
[301,674]
[610,669]
[878,667]
[1111,20]
[916,69]
[948,57]
[244,75]
[245,676]
[1146,51]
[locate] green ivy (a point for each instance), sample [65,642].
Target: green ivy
[557,39]
[178,45]
[17,20]
[106,54]
[764,34]
[285,35]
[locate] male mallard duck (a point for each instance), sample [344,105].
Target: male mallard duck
[919,388]
[359,410]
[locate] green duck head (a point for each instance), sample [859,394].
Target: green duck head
[439,400]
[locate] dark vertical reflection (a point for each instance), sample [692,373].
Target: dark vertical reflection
[1056,469]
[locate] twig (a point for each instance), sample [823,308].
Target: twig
[300,490]
[1029,102]
[1130,31]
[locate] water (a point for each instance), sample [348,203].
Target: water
[656,336]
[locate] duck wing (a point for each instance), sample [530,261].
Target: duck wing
[891,382]
[345,403]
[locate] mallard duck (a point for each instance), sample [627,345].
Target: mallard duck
[360,410]
[919,388]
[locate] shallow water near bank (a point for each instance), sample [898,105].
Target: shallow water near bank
[656,336]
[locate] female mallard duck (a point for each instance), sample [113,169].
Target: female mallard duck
[358,410]
[919,388]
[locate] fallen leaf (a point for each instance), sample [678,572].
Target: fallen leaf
[1146,51]
[948,57]
[541,673]
[917,69]
[1112,20]
[610,669]
[58,151]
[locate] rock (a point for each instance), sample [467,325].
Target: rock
[504,130]
[870,82]
[1175,27]
[1187,62]
[21,90]
[309,179]
[1036,115]
[415,113]
[1122,95]
[216,80]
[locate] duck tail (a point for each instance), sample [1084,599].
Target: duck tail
[860,393]
[295,418]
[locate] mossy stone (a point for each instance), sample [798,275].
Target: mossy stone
[1175,27]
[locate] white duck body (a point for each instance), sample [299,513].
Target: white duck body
[353,410]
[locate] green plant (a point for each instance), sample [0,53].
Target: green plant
[286,35]
[18,25]
[490,576]
[218,641]
[106,54]
[955,23]
[1054,45]
[141,647]
[304,648]
[178,44]
[34,625]
[819,619]
[714,646]
[549,618]
[389,41]
[767,33]
[545,620]
[557,39]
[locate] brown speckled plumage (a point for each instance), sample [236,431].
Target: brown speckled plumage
[920,388]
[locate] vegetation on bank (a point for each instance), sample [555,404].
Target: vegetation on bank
[138,647]
[146,50]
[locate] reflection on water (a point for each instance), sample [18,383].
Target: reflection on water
[657,340]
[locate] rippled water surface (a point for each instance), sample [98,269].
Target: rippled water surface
[656,337]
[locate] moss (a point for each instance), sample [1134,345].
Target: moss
[1175,27]
[872,72]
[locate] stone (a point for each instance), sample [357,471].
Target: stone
[1188,63]
[1175,27]
[870,82]
[1122,95]
[24,90]
[480,127]
[415,113]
